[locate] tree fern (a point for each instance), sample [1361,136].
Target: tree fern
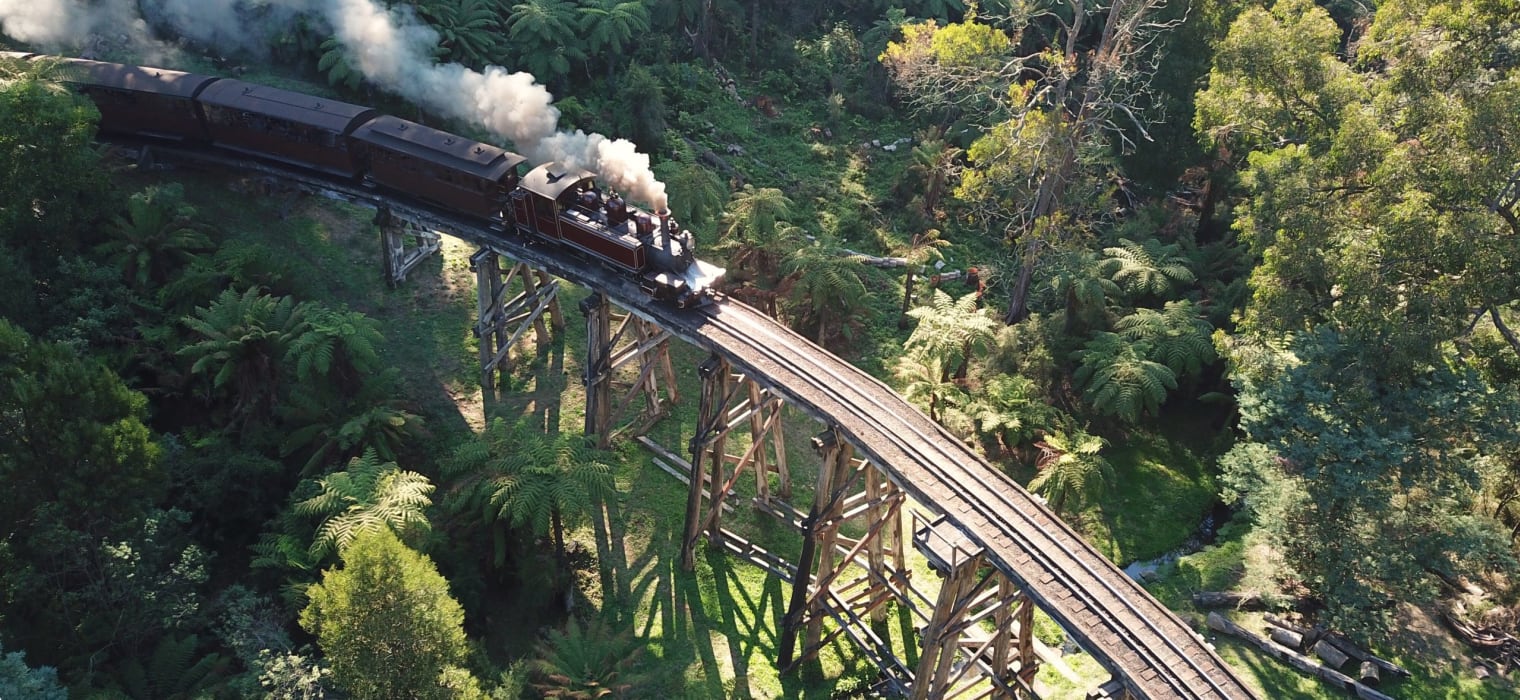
[588,661]
[1118,380]
[468,30]
[755,229]
[519,476]
[926,383]
[824,286]
[334,63]
[1176,336]
[1071,471]
[241,343]
[157,234]
[951,329]
[1009,408]
[367,496]
[174,671]
[1149,268]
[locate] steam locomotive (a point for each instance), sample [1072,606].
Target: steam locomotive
[551,202]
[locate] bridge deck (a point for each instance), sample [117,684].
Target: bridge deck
[1148,648]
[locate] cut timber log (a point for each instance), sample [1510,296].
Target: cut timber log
[1287,638]
[1310,634]
[1369,674]
[1353,651]
[1218,623]
[1333,657]
[1228,599]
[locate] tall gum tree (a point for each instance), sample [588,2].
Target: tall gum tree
[1062,85]
[1382,188]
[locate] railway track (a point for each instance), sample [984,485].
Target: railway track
[1154,653]
[1148,648]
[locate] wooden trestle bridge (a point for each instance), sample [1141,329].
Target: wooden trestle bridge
[1000,551]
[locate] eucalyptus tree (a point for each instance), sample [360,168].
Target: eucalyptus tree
[1380,197]
[1382,194]
[1367,488]
[1053,105]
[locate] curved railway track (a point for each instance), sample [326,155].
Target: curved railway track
[1155,653]
[1139,640]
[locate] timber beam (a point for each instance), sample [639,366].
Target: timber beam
[729,401]
[615,341]
[404,244]
[501,321]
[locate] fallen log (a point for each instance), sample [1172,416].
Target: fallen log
[1287,638]
[1368,673]
[1310,634]
[1218,623]
[1228,599]
[1351,650]
[1333,657]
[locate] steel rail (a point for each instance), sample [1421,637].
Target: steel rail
[695,326]
[937,443]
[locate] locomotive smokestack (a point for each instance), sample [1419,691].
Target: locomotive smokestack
[664,215]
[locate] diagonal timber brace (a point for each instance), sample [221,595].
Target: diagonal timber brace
[404,244]
[502,322]
[730,400]
[956,642]
[615,344]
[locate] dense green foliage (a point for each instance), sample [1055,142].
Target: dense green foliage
[386,622]
[1151,253]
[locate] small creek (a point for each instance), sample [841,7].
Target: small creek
[1207,532]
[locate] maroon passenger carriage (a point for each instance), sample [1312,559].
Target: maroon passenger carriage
[292,127]
[412,160]
[139,101]
[448,170]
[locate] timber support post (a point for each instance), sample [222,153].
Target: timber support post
[501,322]
[728,399]
[853,578]
[971,593]
[395,254]
[707,456]
[614,341]
[597,375]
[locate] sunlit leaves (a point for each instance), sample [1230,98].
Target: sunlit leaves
[1118,379]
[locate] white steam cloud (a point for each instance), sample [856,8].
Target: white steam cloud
[392,48]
